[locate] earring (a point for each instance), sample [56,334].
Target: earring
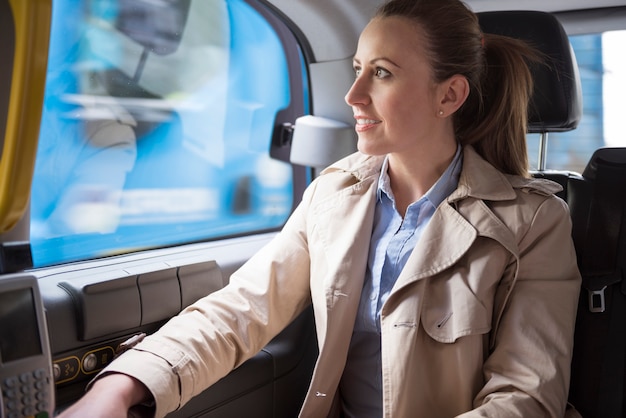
[441,113]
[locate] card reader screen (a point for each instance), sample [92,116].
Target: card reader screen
[19,333]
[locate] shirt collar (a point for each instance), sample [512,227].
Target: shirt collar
[444,186]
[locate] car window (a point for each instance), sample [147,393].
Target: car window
[157,125]
[602,67]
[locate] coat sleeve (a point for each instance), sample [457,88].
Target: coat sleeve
[527,371]
[219,332]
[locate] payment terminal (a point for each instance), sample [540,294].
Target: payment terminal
[25,363]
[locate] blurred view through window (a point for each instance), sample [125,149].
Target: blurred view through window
[602,65]
[156,128]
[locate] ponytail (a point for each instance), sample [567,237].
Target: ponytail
[495,119]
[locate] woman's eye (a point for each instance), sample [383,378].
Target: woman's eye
[382,73]
[378,72]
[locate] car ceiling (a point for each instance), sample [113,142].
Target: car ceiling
[543,5]
[331,27]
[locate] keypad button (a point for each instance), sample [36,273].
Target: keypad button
[10,393]
[11,405]
[26,378]
[11,382]
[40,374]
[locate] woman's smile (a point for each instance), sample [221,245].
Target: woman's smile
[363,124]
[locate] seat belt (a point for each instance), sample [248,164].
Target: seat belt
[611,388]
[602,267]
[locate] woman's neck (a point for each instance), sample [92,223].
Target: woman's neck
[411,176]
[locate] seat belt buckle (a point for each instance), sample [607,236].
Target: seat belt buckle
[596,300]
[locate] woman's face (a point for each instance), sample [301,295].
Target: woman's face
[394,99]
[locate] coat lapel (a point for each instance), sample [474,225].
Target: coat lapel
[459,219]
[446,238]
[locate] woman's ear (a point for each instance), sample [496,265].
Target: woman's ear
[454,93]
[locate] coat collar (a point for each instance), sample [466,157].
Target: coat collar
[478,179]
[462,217]
[481,180]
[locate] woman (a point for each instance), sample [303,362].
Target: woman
[443,280]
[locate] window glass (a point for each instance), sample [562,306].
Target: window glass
[602,65]
[156,129]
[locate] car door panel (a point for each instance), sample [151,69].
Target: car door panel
[93,307]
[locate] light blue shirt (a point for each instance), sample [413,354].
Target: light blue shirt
[393,240]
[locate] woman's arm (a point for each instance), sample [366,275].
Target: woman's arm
[528,370]
[110,396]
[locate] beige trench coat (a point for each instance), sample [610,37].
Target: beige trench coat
[480,322]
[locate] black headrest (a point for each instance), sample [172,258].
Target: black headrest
[556,104]
[611,160]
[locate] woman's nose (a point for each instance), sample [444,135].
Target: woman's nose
[357,93]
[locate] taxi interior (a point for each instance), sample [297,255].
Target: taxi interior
[93,305]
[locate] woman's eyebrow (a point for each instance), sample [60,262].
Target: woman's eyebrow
[376,60]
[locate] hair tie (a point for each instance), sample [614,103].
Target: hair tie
[482,40]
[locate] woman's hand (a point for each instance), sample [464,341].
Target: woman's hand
[111,396]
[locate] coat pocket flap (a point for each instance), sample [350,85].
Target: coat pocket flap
[452,310]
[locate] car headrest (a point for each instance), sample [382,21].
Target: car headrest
[556,104]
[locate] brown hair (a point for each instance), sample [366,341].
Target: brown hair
[493,119]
